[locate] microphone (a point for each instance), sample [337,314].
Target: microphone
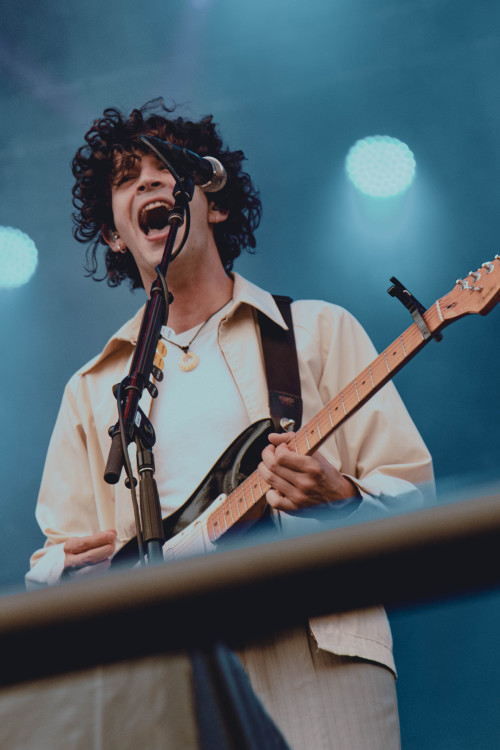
[207,173]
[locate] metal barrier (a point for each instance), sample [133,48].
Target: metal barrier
[435,552]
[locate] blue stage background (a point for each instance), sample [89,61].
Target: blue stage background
[295,85]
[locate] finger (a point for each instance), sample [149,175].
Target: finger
[281,478]
[78,544]
[270,456]
[88,571]
[295,461]
[291,466]
[278,501]
[89,557]
[291,491]
[278,438]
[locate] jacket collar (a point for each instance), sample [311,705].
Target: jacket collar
[244,293]
[247,293]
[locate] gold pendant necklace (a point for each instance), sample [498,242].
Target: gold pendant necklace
[189,360]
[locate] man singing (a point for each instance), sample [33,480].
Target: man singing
[330,684]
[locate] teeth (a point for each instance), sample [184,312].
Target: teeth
[154,215]
[149,206]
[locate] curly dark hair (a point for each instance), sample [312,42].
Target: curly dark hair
[93,169]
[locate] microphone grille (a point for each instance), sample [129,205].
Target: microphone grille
[218,178]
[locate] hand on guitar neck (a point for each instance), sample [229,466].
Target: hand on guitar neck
[299,481]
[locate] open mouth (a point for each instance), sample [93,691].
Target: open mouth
[154,217]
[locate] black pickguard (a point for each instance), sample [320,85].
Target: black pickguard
[237,462]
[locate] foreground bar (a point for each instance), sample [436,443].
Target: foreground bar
[422,555]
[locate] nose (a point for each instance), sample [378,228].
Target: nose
[151,177]
[148,182]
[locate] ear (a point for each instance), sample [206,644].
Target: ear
[215,214]
[112,238]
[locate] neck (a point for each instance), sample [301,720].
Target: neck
[196,298]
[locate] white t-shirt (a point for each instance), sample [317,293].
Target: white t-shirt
[196,415]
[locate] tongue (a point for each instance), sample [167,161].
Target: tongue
[157,218]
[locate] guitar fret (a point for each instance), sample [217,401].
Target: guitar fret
[386,362]
[222,517]
[356,389]
[438,308]
[317,426]
[329,414]
[303,433]
[380,371]
[301,442]
[237,504]
[311,433]
[243,495]
[210,529]
[251,489]
[216,527]
[260,486]
[371,376]
[403,345]
[239,509]
[342,402]
[225,513]
[254,482]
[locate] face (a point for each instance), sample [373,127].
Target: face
[141,197]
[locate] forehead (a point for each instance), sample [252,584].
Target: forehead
[128,163]
[125,160]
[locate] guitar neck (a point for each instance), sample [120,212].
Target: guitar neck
[308,438]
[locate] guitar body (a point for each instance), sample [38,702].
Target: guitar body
[236,464]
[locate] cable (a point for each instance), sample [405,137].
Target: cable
[132,480]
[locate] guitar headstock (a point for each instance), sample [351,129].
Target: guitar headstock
[478,292]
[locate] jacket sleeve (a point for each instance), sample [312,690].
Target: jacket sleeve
[66,502]
[378,447]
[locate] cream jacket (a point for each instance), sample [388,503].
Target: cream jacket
[379,447]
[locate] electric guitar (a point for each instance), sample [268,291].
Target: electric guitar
[233,492]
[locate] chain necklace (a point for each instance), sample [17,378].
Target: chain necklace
[189,360]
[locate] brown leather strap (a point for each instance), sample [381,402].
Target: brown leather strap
[282,368]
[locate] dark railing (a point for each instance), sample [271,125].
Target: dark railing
[435,552]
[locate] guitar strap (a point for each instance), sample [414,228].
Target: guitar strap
[282,368]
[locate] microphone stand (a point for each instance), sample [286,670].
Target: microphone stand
[229,715]
[133,424]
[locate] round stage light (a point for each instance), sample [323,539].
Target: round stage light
[18,257]
[380,166]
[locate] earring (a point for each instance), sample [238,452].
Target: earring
[115,237]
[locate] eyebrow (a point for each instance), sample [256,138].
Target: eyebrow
[125,162]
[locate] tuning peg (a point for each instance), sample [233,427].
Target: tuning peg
[475,274]
[489,266]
